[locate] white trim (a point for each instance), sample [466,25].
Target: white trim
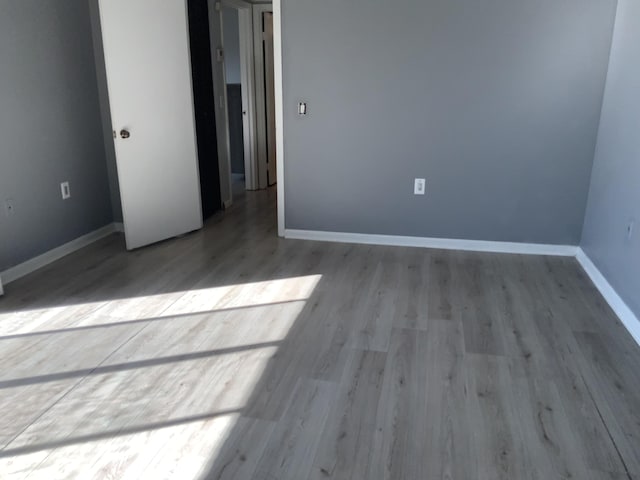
[277,65]
[440,243]
[617,304]
[118,227]
[57,253]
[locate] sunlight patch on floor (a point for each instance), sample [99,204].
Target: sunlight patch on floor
[161,305]
[179,451]
[152,399]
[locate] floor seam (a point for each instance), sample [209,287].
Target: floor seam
[80,380]
[71,389]
[606,427]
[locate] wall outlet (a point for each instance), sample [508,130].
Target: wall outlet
[630,228]
[419,186]
[9,209]
[66,191]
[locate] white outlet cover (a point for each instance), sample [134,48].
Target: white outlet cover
[66,191]
[419,186]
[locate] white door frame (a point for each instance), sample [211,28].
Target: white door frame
[277,65]
[276,7]
[247,81]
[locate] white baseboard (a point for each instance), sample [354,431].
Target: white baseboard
[624,313]
[118,227]
[57,253]
[439,243]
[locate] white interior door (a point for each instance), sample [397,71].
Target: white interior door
[147,57]
[270,96]
[245,18]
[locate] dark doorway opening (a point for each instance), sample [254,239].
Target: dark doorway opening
[204,106]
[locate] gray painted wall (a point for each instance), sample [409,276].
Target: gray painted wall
[50,129]
[495,103]
[614,198]
[231,32]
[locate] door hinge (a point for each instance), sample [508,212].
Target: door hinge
[218,6]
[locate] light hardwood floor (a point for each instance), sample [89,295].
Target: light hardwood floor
[231,353]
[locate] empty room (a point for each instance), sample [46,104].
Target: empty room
[320,239]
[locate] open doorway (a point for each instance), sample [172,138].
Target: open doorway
[165,117]
[236,36]
[247,39]
[204,107]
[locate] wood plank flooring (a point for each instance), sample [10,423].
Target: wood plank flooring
[233,354]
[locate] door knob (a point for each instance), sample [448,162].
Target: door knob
[125,133]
